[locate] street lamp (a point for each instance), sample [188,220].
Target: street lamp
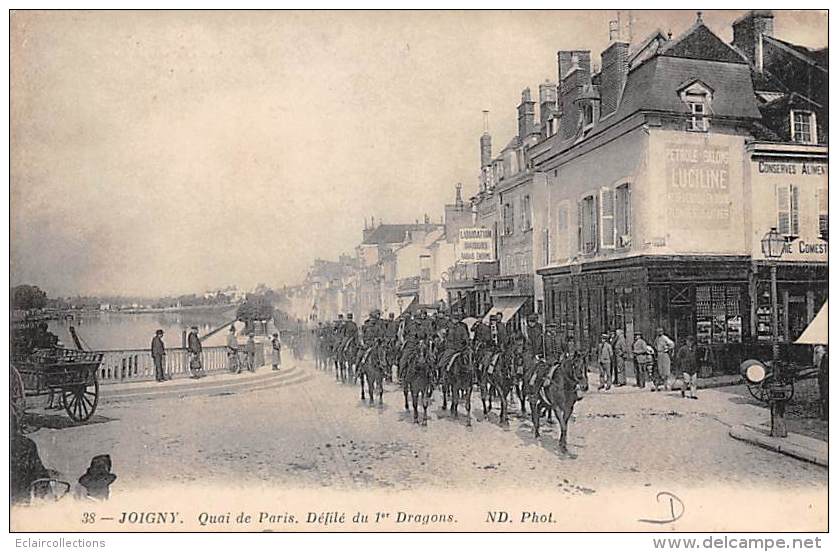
[773,244]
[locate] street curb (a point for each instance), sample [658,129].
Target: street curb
[795,445]
[206,387]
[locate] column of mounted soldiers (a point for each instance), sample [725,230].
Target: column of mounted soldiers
[423,352]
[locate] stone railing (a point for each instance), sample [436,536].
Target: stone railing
[128,365]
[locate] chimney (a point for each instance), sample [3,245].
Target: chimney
[526,115]
[485,142]
[748,31]
[547,97]
[613,75]
[574,74]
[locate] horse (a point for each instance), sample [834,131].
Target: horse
[345,361]
[418,379]
[371,369]
[559,392]
[497,378]
[461,379]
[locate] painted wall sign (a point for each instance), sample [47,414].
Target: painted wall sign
[810,169]
[475,245]
[698,185]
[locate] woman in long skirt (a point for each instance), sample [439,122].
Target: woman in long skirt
[276,350]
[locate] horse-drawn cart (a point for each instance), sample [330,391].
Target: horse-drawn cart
[69,373]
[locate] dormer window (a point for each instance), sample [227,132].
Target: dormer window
[697,97]
[697,121]
[803,127]
[587,115]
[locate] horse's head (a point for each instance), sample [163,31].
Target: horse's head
[579,370]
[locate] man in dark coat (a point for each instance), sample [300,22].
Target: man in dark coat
[158,352]
[349,331]
[415,330]
[457,339]
[25,465]
[621,354]
[687,362]
[483,343]
[193,345]
[533,343]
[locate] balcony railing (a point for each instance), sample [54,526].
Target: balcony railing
[128,365]
[408,285]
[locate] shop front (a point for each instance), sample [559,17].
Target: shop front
[512,297]
[706,297]
[468,287]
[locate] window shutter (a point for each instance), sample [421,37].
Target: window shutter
[794,209]
[606,202]
[823,211]
[783,209]
[579,226]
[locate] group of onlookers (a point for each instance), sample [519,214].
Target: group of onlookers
[652,363]
[236,361]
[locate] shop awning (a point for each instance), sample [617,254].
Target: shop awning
[412,306]
[817,332]
[506,306]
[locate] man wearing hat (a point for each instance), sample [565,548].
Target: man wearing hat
[533,342]
[391,340]
[642,359]
[158,352]
[193,345]
[233,351]
[457,338]
[605,355]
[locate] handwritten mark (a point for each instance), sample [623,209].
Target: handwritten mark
[676,509]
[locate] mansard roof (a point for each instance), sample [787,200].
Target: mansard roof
[699,42]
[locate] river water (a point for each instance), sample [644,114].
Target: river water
[112,330]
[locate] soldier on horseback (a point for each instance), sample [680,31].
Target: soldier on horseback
[533,342]
[482,343]
[391,344]
[370,354]
[415,330]
[456,341]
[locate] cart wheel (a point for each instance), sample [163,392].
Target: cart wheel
[80,401]
[758,391]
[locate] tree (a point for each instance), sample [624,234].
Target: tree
[26,297]
[255,307]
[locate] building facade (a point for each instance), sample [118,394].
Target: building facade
[655,204]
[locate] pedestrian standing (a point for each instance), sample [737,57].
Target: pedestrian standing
[687,361]
[193,346]
[612,340]
[233,351]
[642,359]
[821,360]
[158,353]
[621,353]
[250,349]
[605,355]
[664,347]
[276,346]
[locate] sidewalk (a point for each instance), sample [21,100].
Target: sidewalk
[185,382]
[703,383]
[795,445]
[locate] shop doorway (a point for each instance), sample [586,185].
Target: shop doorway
[798,317]
[682,324]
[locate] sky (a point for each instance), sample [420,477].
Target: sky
[158,153]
